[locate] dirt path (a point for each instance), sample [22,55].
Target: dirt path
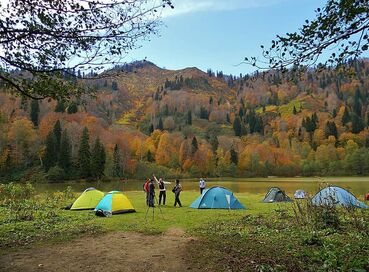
[116,251]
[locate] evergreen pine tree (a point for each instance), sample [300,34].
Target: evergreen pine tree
[234,156]
[242,103]
[214,143]
[237,126]
[65,155]
[102,160]
[57,130]
[228,119]
[8,165]
[72,108]
[117,162]
[166,110]
[60,106]
[203,113]
[334,129]
[84,155]
[50,157]
[160,124]
[357,123]
[346,117]
[98,158]
[35,110]
[189,118]
[357,105]
[294,110]
[150,157]
[194,145]
[258,125]
[210,100]
[151,128]
[241,112]
[314,119]
[331,129]
[334,113]
[114,86]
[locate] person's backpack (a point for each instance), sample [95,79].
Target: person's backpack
[146,186]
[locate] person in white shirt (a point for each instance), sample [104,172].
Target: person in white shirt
[162,189]
[202,185]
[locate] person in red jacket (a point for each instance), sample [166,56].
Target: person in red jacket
[146,189]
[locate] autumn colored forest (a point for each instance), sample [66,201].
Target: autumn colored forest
[188,123]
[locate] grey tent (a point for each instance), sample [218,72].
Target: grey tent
[300,194]
[275,194]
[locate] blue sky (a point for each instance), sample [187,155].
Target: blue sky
[219,34]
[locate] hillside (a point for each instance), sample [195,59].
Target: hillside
[191,123]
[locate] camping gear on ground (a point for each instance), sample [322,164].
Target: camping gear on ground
[300,194]
[275,194]
[367,197]
[114,202]
[334,195]
[87,200]
[103,213]
[217,198]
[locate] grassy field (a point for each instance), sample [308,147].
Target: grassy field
[264,237]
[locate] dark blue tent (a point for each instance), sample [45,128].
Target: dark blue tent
[334,195]
[217,198]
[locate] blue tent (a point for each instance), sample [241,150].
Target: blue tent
[217,198]
[114,202]
[334,195]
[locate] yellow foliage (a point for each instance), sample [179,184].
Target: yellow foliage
[162,155]
[351,146]
[331,139]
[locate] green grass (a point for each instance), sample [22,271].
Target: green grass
[185,217]
[264,237]
[41,219]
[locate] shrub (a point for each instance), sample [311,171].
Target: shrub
[316,217]
[38,177]
[15,191]
[194,171]
[55,174]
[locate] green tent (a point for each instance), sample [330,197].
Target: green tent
[88,199]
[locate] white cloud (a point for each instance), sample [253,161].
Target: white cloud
[190,6]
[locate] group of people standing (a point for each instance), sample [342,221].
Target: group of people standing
[149,188]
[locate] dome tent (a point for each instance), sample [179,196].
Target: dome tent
[87,200]
[275,194]
[334,195]
[114,202]
[217,198]
[300,194]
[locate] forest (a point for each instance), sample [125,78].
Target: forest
[142,119]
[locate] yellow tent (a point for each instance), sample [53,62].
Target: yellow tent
[88,199]
[115,202]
